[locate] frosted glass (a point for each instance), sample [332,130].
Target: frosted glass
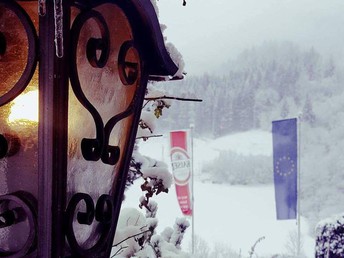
[107,93]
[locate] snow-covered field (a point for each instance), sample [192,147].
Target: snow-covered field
[235,216]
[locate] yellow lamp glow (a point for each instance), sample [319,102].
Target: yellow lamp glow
[24,108]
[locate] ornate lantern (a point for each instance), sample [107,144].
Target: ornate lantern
[73,78]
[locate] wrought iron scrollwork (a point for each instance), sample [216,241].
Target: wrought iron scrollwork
[103,212]
[19,207]
[91,148]
[3,146]
[100,44]
[31,63]
[129,73]
[9,145]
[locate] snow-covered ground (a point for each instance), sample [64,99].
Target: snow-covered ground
[235,216]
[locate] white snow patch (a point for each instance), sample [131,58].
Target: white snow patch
[246,143]
[232,215]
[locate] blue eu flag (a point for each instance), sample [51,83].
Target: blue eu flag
[284,136]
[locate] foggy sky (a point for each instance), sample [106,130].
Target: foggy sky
[209,32]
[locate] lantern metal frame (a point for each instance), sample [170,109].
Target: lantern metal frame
[51,216]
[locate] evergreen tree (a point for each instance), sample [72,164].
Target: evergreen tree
[285,109]
[307,112]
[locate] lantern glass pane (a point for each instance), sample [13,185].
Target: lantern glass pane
[12,48]
[106,89]
[18,127]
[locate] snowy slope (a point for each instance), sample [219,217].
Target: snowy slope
[235,216]
[245,143]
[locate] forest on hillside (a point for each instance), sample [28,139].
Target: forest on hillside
[269,82]
[272,81]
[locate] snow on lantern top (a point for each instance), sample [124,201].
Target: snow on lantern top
[162,61]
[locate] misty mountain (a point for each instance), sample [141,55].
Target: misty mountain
[271,81]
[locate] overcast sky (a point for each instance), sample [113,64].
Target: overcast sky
[209,32]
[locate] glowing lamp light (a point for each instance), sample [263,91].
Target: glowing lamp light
[24,109]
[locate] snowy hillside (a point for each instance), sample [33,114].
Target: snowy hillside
[232,216]
[253,143]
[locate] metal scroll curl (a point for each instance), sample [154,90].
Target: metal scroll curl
[103,212]
[9,145]
[16,208]
[129,73]
[91,148]
[31,63]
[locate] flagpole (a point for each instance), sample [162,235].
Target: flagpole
[299,188]
[192,190]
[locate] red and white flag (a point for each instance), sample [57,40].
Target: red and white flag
[181,168]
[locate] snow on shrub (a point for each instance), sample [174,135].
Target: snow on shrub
[147,123]
[130,227]
[330,237]
[160,174]
[136,237]
[179,229]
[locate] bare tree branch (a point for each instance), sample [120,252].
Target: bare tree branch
[254,246]
[119,251]
[175,98]
[151,136]
[131,237]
